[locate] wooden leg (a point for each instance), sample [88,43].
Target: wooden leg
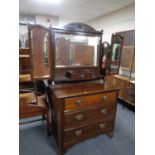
[110,134]
[48,124]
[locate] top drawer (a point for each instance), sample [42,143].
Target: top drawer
[85,101]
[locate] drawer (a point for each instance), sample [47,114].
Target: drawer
[88,115]
[85,132]
[90,100]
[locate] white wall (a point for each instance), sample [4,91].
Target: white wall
[47,20]
[120,20]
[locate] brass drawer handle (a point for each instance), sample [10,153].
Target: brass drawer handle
[79,117]
[105,98]
[78,133]
[102,125]
[104,111]
[78,102]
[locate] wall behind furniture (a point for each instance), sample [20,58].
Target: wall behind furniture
[47,20]
[120,20]
[39,19]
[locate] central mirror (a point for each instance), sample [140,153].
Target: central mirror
[76,50]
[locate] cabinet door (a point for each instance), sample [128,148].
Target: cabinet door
[40,52]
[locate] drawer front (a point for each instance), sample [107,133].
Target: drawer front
[85,101]
[88,115]
[88,131]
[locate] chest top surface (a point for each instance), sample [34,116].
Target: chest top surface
[82,88]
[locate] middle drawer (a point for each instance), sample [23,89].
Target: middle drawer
[87,115]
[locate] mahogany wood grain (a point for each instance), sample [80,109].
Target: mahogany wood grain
[90,100]
[92,115]
[83,88]
[77,118]
[31,105]
[129,37]
[130,93]
[79,134]
[24,78]
[27,98]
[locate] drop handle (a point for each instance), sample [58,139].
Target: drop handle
[102,125]
[105,98]
[104,111]
[78,133]
[79,117]
[78,102]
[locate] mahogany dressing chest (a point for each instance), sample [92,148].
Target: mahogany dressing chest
[69,60]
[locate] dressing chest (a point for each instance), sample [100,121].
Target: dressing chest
[69,60]
[82,111]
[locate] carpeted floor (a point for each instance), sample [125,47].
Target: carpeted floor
[33,139]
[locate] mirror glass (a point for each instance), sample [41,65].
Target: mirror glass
[115,59]
[76,50]
[45,49]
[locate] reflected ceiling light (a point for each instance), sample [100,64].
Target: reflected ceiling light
[80,37]
[50,1]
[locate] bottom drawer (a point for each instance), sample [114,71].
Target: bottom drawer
[78,134]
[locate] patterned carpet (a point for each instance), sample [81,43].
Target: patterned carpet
[33,139]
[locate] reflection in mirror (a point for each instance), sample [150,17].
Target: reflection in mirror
[75,50]
[45,49]
[115,53]
[115,57]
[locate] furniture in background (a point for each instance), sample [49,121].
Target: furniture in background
[127,87]
[31,103]
[83,104]
[125,78]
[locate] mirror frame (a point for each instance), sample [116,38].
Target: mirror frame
[115,39]
[50,71]
[77,29]
[65,31]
